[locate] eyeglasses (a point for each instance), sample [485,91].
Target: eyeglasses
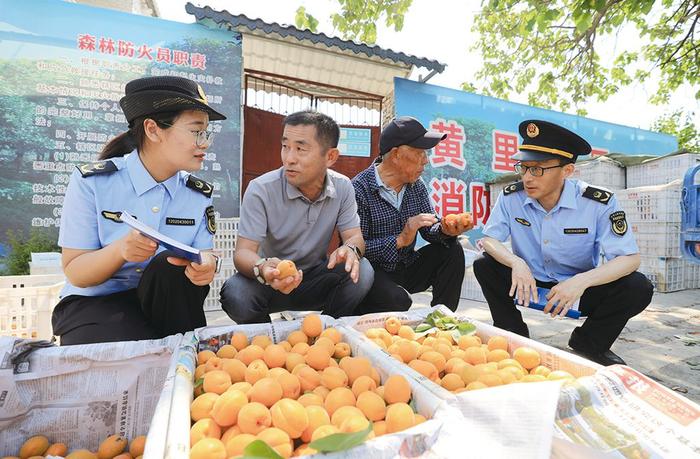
[201,138]
[535,171]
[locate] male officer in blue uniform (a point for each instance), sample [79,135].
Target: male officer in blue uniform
[558,227]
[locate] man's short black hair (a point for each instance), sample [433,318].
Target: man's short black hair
[327,130]
[565,161]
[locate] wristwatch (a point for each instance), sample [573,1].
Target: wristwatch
[355,249]
[258,273]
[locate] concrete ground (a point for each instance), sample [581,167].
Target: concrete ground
[650,342]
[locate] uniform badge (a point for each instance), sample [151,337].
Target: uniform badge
[619,222]
[114,216]
[598,194]
[513,187]
[99,167]
[522,221]
[200,185]
[211,219]
[532,130]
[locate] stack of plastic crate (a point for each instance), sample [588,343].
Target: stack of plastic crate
[661,170]
[495,190]
[601,171]
[26,304]
[224,246]
[471,290]
[654,216]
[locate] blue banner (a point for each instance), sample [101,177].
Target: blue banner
[63,70]
[482,136]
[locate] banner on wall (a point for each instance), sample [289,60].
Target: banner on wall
[482,137]
[63,70]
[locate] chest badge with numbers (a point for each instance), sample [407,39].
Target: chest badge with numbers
[618,222]
[575,230]
[522,221]
[211,219]
[179,221]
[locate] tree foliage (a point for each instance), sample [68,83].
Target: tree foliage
[566,52]
[561,53]
[21,248]
[358,19]
[681,125]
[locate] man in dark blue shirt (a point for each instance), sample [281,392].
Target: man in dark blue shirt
[393,205]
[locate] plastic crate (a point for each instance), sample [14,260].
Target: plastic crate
[224,246]
[660,203]
[225,237]
[495,190]
[692,275]
[26,304]
[601,171]
[211,303]
[661,239]
[471,290]
[668,274]
[661,170]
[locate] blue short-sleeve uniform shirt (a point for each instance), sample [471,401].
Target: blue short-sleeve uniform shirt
[179,207]
[568,239]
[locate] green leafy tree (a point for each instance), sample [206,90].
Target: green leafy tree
[21,248]
[358,19]
[681,125]
[551,49]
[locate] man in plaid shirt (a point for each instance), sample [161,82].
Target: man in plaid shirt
[393,205]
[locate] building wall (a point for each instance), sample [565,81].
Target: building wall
[143,7]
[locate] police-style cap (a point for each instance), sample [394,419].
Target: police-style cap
[543,140]
[406,130]
[151,95]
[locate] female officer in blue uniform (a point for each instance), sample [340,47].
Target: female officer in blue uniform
[558,228]
[121,285]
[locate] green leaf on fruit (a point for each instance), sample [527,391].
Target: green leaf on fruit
[341,441]
[198,382]
[466,328]
[427,332]
[258,449]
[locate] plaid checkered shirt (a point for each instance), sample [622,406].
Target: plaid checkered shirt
[381,222]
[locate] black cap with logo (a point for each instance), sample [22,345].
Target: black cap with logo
[406,130]
[543,140]
[151,95]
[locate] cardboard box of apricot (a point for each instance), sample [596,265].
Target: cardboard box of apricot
[290,389]
[459,354]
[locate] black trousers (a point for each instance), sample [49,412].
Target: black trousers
[164,303]
[438,265]
[608,307]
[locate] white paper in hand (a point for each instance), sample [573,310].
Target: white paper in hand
[178,248]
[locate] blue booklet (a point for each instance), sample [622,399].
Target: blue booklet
[178,248]
[542,293]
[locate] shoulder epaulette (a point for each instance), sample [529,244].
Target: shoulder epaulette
[598,194]
[513,187]
[197,184]
[99,167]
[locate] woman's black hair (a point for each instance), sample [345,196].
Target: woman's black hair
[135,137]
